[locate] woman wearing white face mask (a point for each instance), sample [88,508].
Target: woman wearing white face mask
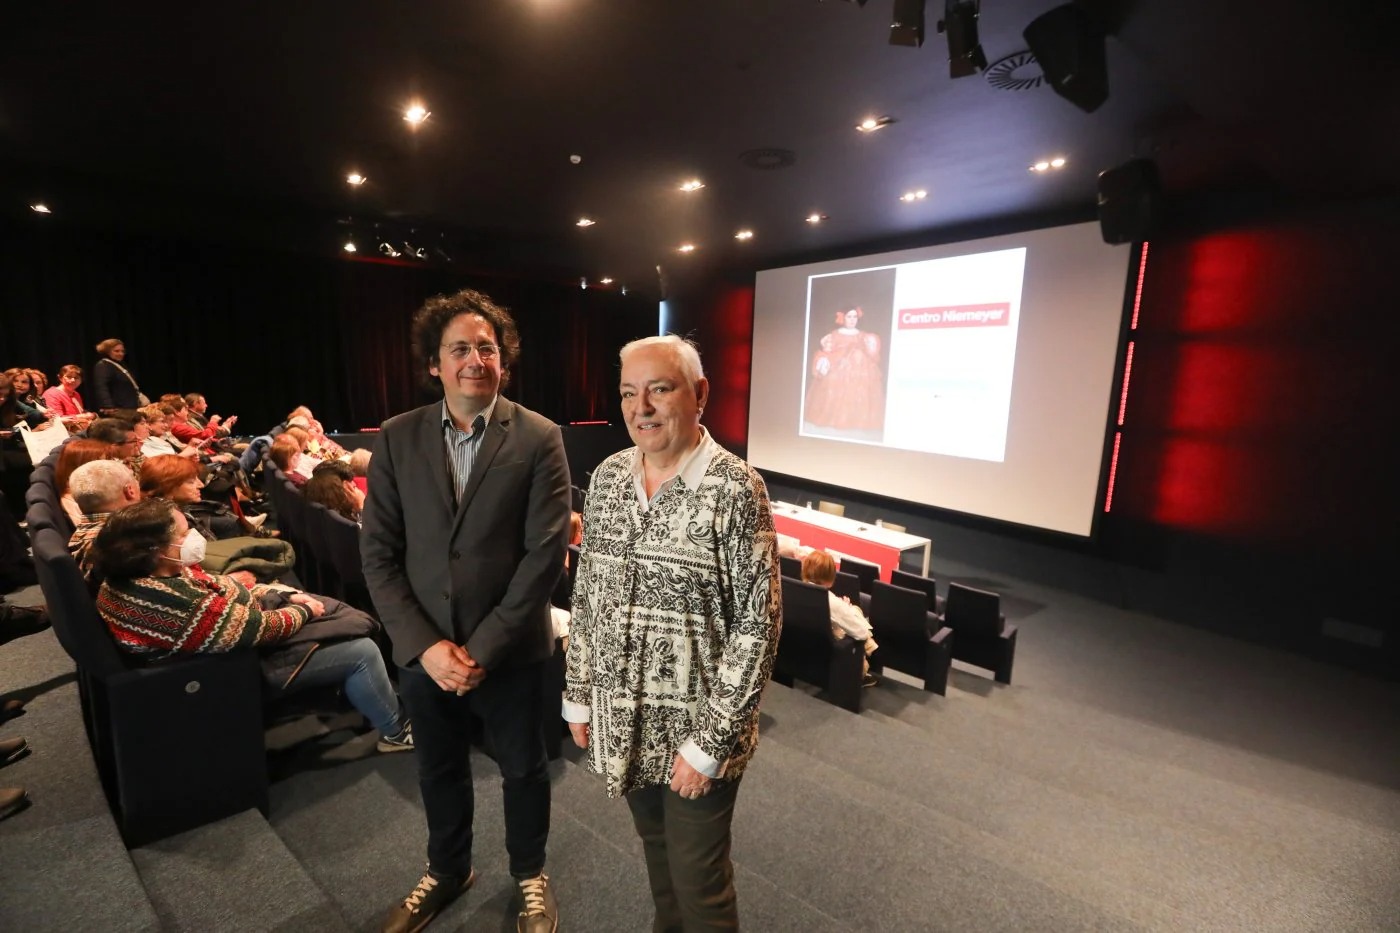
[157,603]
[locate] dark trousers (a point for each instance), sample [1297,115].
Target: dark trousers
[509,703]
[686,844]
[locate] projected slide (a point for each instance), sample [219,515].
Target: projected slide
[974,376]
[917,356]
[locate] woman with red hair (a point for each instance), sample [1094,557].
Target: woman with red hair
[73,455]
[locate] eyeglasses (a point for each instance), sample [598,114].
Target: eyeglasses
[463,351]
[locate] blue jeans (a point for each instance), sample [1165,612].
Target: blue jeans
[251,457]
[358,665]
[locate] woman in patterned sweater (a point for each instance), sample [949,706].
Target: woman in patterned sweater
[157,603]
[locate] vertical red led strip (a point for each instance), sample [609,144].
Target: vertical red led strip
[1127,377]
[1112,471]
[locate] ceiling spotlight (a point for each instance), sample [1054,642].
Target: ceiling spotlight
[686,248]
[744,235]
[815,218]
[909,196]
[605,281]
[40,208]
[965,55]
[584,222]
[349,246]
[416,114]
[356,179]
[624,289]
[387,248]
[694,184]
[871,124]
[583,282]
[1045,165]
[1057,162]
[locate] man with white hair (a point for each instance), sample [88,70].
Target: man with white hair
[100,488]
[677,610]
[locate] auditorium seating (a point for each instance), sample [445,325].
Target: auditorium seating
[864,571]
[790,567]
[982,637]
[892,526]
[177,744]
[912,639]
[808,651]
[831,508]
[926,585]
[315,516]
[342,538]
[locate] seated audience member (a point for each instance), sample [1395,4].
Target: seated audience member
[285,454]
[359,465]
[160,442]
[13,408]
[99,488]
[123,435]
[74,454]
[181,427]
[559,616]
[818,567]
[64,400]
[158,603]
[41,384]
[306,463]
[177,479]
[332,484]
[198,408]
[22,384]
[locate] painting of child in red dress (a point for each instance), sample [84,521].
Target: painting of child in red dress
[846,382]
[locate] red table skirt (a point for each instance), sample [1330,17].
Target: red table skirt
[825,539]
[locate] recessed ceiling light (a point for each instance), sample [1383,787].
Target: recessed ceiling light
[1045,165]
[815,218]
[356,179]
[1057,162]
[40,208]
[686,248]
[605,281]
[913,195]
[694,184]
[416,114]
[584,222]
[349,246]
[744,235]
[871,124]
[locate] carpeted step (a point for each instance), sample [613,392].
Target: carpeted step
[233,875]
[1031,790]
[62,862]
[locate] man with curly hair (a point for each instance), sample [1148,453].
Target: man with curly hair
[465,530]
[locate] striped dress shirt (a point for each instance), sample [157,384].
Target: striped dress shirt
[460,447]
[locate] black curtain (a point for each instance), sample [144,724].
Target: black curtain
[259,331]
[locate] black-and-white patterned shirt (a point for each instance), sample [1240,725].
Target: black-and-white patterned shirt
[677,611]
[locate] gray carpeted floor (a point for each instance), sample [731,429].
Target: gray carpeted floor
[1137,775]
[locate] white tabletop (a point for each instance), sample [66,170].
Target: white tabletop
[868,531]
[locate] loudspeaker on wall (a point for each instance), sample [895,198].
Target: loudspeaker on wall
[1130,201]
[1069,44]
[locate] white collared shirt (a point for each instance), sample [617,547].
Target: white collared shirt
[692,469]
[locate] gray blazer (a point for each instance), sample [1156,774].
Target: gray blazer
[481,575]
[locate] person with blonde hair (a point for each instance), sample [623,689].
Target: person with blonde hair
[820,568]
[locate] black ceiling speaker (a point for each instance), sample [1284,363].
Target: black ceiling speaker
[1069,44]
[1130,201]
[965,55]
[907,23]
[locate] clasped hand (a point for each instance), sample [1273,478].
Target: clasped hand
[452,667]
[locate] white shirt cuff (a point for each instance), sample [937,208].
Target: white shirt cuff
[576,712]
[710,767]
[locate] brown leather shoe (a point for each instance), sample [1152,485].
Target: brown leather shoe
[11,708]
[425,902]
[539,913]
[12,800]
[12,750]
